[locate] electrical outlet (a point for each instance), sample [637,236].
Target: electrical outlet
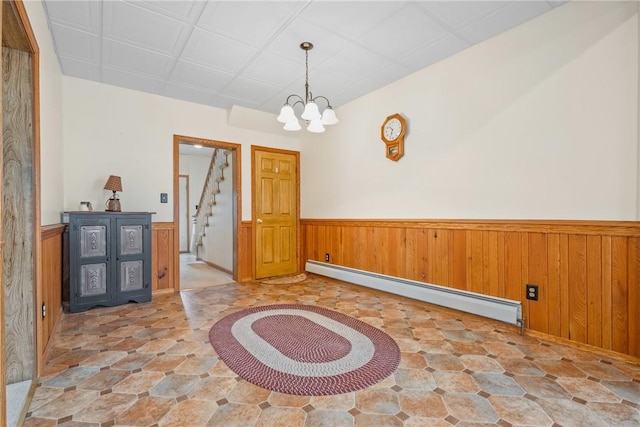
[326,257]
[164,198]
[532,292]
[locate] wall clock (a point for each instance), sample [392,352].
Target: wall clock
[392,133]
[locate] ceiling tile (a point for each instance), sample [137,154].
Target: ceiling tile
[81,15]
[513,14]
[76,44]
[185,73]
[412,31]
[273,69]
[250,90]
[141,27]
[353,63]
[184,10]
[76,68]
[130,80]
[187,93]
[346,17]
[457,14]
[215,51]
[436,52]
[126,57]
[260,20]
[287,43]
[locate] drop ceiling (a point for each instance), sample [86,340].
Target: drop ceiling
[246,53]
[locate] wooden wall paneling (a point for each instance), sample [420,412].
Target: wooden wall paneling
[458,258]
[594,285]
[605,295]
[537,274]
[51,261]
[587,271]
[553,285]
[493,264]
[634,295]
[162,259]
[565,316]
[411,254]
[474,273]
[578,288]
[245,252]
[619,294]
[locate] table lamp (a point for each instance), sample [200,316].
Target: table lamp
[114,183]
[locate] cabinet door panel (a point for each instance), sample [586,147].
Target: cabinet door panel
[131,239]
[131,275]
[93,241]
[93,280]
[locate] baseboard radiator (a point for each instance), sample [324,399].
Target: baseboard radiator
[505,310]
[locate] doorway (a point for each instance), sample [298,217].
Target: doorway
[210,205]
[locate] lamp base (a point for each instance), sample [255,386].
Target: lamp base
[113,205]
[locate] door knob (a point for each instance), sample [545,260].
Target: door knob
[259,221]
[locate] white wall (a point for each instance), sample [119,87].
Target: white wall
[218,243]
[196,167]
[538,122]
[51,159]
[110,130]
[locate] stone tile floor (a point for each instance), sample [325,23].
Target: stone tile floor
[152,365]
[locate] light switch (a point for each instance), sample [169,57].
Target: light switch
[164,198]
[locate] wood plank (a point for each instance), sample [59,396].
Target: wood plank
[161,260]
[422,256]
[537,274]
[594,287]
[475,272]
[493,264]
[565,313]
[431,256]
[486,287]
[458,257]
[634,295]
[578,289]
[397,252]
[553,284]
[443,256]
[411,254]
[513,261]
[605,293]
[524,274]
[619,294]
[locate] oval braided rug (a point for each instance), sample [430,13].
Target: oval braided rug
[303,349]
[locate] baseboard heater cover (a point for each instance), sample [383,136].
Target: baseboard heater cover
[505,310]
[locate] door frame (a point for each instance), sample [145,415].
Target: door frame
[236,198]
[255,148]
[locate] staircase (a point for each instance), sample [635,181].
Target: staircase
[211,188]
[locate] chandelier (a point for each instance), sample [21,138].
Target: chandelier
[311,113]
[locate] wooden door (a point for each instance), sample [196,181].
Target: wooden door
[275,216]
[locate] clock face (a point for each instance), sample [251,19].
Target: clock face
[392,129]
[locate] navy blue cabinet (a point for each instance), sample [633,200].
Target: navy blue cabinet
[109,258]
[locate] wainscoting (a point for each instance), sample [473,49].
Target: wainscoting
[588,272]
[164,263]
[51,237]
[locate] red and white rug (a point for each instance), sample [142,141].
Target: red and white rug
[304,350]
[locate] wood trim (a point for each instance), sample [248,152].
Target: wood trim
[217,267]
[587,271]
[296,154]
[237,180]
[53,230]
[586,227]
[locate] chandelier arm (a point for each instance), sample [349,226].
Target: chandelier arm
[323,97]
[293,95]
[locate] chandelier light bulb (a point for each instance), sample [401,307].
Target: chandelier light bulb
[315,126]
[286,114]
[292,125]
[311,111]
[329,117]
